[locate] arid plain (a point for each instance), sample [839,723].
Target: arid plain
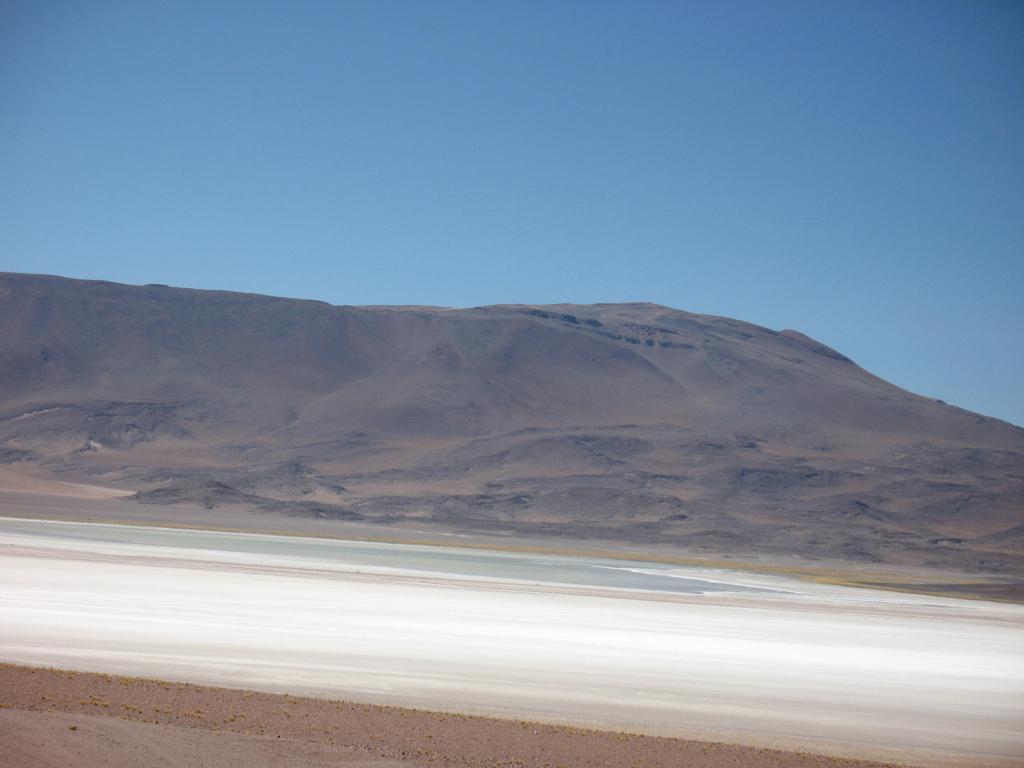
[625,646]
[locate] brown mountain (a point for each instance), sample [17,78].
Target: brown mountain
[624,422]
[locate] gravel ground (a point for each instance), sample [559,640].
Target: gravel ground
[71,719]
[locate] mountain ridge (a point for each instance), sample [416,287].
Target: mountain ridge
[630,422]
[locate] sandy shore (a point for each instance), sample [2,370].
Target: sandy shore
[79,720]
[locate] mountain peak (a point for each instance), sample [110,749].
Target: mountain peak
[628,422]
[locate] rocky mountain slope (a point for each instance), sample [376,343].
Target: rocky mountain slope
[625,422]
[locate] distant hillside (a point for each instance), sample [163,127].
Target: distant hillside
[627,422]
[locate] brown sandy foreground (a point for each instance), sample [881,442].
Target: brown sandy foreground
[65,719]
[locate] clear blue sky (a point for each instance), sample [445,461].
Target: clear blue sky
[854,170]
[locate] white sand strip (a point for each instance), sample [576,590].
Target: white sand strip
[896,676]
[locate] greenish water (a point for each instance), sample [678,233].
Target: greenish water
[356,555]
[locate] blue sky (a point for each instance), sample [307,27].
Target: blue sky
[854,170]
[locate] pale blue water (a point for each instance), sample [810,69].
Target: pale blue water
[554,569]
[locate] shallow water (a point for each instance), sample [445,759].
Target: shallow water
[374,557]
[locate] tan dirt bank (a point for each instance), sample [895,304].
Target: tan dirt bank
[74,719]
